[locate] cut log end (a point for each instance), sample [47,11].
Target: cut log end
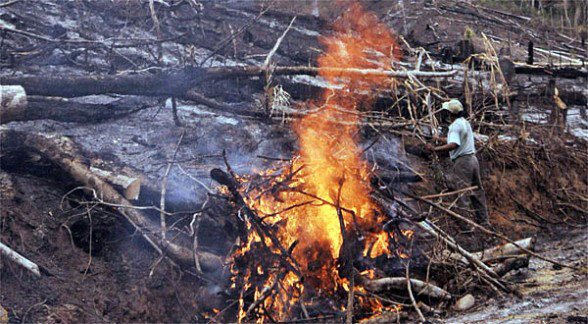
[13,103]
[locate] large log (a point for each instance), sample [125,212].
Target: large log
[176,82]
[71,110]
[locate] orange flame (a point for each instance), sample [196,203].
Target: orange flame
[330,170]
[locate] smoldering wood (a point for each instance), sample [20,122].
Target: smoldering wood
[19,259]
[13,102]
[228,180]
[562,72]
[62,151]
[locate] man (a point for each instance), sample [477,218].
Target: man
[466,170]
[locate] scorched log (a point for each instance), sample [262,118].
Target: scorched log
[176,82]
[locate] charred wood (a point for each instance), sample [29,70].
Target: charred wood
[67,110]
[511,264]
[562,72]
[176,82]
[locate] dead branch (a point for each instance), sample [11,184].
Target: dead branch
[400,283]
[262,229]
[164,187]
[268,59]
[493,233]
[16,257]
[497,253]
[409,288]
[486,272]
[129,185]
[507,249]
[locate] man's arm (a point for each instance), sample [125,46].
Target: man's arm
[453,140]
[444,148]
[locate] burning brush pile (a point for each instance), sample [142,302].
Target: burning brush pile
[313,240]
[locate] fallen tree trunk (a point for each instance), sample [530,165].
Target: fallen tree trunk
[68,110]
[562,72]
[61,151]
[177,82]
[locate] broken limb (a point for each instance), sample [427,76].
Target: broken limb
[423,288]
[16,257]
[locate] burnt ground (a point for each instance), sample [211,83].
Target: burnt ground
[114,276]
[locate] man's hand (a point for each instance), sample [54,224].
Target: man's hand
[429,147]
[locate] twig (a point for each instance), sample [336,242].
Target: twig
[265,294]
[350,297]
[23,320]
[408,286]
[445,194]
[304,311]
[195,233]
[195,180]
[164,188]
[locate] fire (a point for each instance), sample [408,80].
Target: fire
[328,175]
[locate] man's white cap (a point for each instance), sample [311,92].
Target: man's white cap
[453,105]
